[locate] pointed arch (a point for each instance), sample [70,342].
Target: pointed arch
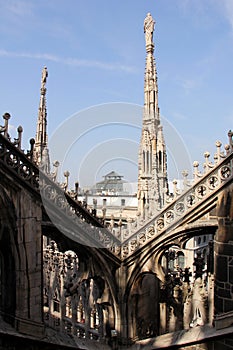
[143,306]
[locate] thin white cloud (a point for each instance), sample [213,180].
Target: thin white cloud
[198,11]
[189,84]
[199,8]
[69,61]
[19,8]
[228,10]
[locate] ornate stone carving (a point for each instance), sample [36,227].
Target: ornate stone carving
[70,300]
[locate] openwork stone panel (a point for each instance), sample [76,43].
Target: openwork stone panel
[72,301]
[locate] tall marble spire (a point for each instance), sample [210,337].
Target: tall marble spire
[152,160]
[41,153]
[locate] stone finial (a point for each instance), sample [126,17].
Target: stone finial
[65,185]
[4,128]
[196,172]
[30,152]
[227,149]
[76,186]
[18,140]
[74,193]
[230,135]
[185,180]
[207,164]
[218,153]
[175,188]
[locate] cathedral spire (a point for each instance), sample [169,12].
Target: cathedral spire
[152,161]
[41,153]
[150,84]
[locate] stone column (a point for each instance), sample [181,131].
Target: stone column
[223,262]
[29,288]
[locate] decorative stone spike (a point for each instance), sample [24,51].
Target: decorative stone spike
[227,149]
[4,128]
[230,135]
[66,174]
[196,172]
[74,193]
[18,140]
[218,145]
[185,180]
[209,165]
[175,191]
[76,187]
[30,152]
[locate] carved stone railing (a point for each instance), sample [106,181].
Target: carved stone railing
[18,163]
[73,219]
[185,205]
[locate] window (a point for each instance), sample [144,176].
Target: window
[181,260]
[171,265]
[122,202]
[56,302]
[204,254]
[56,306]
[68,308]
[160,161]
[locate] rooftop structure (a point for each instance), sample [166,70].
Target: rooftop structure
[112,184]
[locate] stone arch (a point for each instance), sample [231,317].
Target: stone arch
[143,307]
[149,263]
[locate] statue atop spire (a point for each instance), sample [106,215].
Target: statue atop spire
[44,77]
[149,25]
[41,153]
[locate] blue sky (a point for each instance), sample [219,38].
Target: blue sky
[95,54]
